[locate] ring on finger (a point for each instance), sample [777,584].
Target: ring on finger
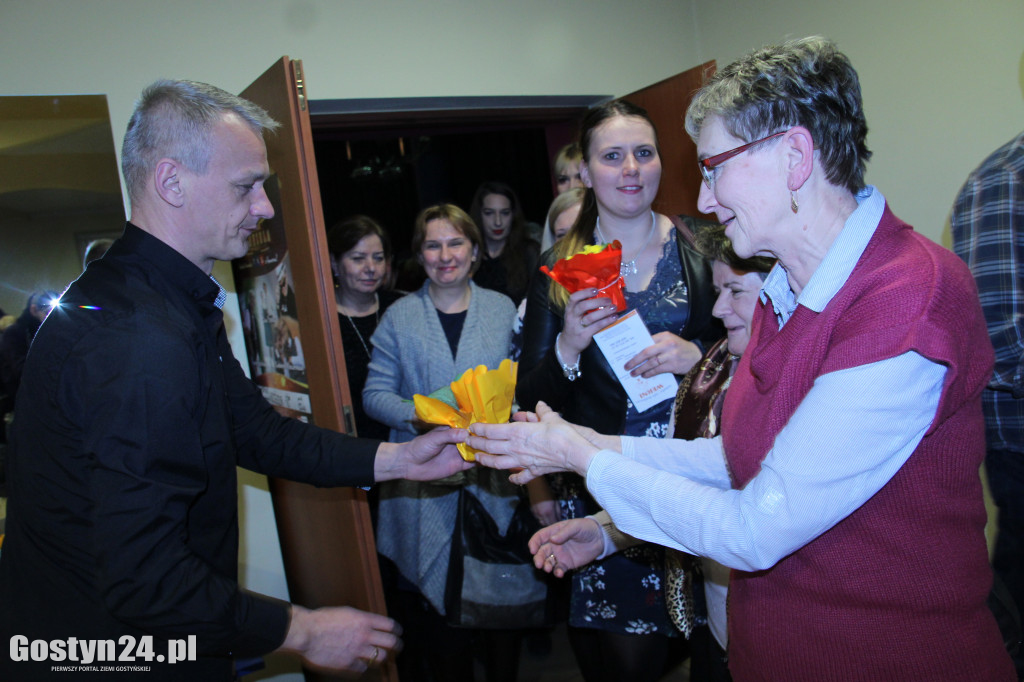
[376,653]
[551,557]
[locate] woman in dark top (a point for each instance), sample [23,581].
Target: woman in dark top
[360,254]
[509,257]
[618,624]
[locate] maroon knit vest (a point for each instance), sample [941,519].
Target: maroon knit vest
[897,590]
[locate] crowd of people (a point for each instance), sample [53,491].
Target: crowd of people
[851,434]
[807,507]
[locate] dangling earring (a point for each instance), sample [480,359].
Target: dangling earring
[792,201]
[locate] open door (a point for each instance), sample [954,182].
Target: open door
[666,101]
[326,536]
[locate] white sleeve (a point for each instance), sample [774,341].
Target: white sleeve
[701,460]
[850,435]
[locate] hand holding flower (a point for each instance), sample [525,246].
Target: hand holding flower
[534,448]
[481,395]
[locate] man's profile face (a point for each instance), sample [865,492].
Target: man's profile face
[227,202]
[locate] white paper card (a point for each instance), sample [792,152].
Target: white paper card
[620,342]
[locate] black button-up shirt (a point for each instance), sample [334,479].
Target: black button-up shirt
[122,516]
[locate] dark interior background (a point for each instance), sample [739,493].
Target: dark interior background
[410,154]
[392,178]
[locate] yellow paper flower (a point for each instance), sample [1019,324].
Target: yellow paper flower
[483,395]
[591,248]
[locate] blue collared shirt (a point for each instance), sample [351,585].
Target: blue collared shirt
[834,269]
[678,493]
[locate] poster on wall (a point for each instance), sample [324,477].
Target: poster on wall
[270,323]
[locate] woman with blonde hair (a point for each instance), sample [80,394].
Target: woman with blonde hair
[567,178]
[424,341]
[563,212]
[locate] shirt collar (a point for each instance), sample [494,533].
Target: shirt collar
[222,294]
[835,268]
[178,270]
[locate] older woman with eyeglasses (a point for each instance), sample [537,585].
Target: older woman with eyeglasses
[844,492]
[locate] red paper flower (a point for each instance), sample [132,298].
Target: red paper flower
[595,266]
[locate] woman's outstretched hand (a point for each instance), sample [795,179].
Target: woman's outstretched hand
[566,545]
[533,445]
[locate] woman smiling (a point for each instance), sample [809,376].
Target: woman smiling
[361,255]
[844,491]
[425,341]
[618,625]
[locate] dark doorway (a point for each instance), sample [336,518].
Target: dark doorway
[390,158]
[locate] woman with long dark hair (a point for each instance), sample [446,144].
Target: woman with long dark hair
[509,257]
[618,625]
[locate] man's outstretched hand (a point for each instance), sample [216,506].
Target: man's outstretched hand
[427,457]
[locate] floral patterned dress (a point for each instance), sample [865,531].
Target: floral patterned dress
[624,592]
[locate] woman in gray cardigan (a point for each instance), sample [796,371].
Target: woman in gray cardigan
[424,342]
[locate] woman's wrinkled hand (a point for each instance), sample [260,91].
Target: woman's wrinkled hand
[532,448]
[668,353]
[567,545]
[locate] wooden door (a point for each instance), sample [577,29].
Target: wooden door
[326,536]
[666,101]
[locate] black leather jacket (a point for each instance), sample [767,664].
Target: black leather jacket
[596,399]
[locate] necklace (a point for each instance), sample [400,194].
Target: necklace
[629,267]
[352,322]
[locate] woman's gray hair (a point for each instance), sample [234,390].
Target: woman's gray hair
[806,82]
[173,119]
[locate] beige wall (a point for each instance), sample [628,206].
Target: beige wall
[350,48]
[941,78]
[42,252]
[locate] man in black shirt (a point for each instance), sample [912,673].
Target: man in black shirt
[122,519]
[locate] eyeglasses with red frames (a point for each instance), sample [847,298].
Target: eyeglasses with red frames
[707,166]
